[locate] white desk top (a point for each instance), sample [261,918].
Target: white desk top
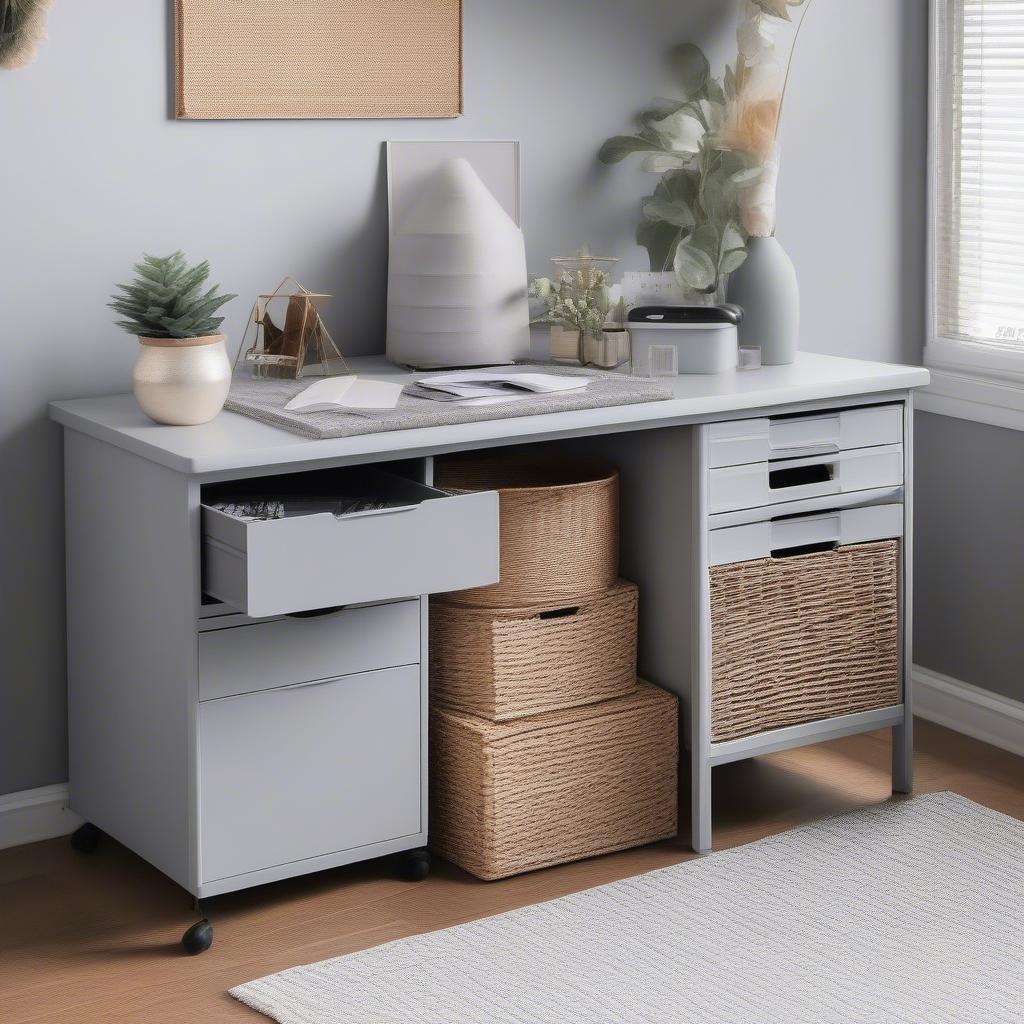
[235,442]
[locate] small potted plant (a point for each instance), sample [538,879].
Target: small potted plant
[182,374]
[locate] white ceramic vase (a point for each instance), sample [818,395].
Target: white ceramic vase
[181,381]
[457,277]
[767,289]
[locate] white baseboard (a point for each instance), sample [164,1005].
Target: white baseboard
[36,814]
[969,709]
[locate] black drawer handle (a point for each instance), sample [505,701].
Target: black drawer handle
[805,549]
[799,476]
[558,613]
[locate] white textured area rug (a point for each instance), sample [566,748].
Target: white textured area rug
[910,912]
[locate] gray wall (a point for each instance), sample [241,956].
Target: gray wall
[93,172]
[969,553]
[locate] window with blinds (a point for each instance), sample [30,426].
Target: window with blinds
[978,147]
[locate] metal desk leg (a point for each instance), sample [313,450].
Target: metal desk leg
[903,756]
[700,808]
[700,673]
[903,735]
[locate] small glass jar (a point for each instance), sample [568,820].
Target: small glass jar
[749,357]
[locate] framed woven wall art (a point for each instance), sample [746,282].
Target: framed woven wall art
[318,58]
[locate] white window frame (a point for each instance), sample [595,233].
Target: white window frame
[972,382]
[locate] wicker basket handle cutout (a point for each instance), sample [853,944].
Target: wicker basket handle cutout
[558,613]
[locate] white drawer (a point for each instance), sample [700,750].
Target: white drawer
[308,770]
[776,537]
[263,655]
[432,542]
[768,483]
[742,441]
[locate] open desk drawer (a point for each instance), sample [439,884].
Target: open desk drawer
[426,542]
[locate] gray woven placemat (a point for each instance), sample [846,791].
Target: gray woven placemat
[264,400]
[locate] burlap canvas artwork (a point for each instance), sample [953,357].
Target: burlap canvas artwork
[318,58]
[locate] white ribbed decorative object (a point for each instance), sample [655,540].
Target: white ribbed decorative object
[457,277]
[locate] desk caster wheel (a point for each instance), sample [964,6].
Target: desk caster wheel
[415,865]
[198,939]
[86,838]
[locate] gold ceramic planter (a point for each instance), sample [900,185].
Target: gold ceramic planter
[182,381]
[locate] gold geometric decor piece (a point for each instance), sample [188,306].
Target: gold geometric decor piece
[318,58]
[286,339]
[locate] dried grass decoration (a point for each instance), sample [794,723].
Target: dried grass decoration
[22,29]
[286,339]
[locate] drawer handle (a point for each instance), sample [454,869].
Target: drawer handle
[317,613]
[558,613]
[304,686]
[808,450]
[391,511]
[801,476]
[804,549]
[823,446]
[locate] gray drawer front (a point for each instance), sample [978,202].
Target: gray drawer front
[739,442]
[308,770]
[264,655]
[268,568]
[841,527]
[769,483]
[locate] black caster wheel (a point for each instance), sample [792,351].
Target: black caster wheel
[86,838]
[415,865]
[198,939]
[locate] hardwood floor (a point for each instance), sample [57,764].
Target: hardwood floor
[88,938]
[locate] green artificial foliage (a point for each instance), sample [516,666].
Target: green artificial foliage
[166,299]
[691,224]
[22,27]
[715,149]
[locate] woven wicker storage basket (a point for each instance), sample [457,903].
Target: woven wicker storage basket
[804,638]
[559,522]
[554,788]
[508,663]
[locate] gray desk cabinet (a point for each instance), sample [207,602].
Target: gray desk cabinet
[232,744]
[232,749]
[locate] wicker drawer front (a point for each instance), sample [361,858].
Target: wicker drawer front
[554,788]
[805,638]
[505,664]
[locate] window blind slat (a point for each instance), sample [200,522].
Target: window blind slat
[979,208]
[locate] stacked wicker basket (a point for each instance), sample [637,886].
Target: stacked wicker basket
[545,747]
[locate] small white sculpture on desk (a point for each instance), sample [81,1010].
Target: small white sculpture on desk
[457,277]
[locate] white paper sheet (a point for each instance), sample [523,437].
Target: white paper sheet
[334,393]
[490,383]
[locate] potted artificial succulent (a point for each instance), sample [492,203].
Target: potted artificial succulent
[182,374]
